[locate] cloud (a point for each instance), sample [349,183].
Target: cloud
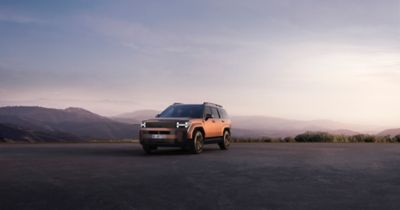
[129,34]
[158,40]
[320,57]
[15,17]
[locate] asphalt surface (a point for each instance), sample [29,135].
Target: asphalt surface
[249,176]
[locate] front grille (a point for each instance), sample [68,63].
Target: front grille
[161,125]
[159,132]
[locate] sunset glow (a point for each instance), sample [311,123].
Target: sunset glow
[337,60]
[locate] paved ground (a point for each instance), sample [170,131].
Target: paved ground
[249,176]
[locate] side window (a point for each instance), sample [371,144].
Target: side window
[215,113]
[207,110]
[223,113]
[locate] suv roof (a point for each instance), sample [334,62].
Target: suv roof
[205,103]
[208,103]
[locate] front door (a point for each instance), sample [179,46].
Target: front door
[210,125]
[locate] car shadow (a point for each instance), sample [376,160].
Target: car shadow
[93,150]
[138,152]
[176,152]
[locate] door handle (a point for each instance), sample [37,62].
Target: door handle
[223,121]
[213,121]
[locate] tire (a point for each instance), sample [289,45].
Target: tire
[197,143]
[226,141]
[148,149]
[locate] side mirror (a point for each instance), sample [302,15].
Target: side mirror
[158,115]
[208,116]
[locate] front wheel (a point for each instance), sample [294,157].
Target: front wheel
[197,143]
[227,141]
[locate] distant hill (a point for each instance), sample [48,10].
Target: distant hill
[258,126]
[72,121]
[12,133]
[344,132]
[274,123]
[49,115]
[390,132]
[252,133]
[136,117]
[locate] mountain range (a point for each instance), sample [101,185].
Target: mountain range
[390,132]
[67,124]
[35,124]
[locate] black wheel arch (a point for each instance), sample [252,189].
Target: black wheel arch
[227,129]
[201,129]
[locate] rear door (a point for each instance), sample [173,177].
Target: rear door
[218,129]
[225,121]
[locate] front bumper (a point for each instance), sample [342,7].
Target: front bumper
[177,137]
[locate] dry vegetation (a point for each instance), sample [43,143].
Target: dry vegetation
[325,137]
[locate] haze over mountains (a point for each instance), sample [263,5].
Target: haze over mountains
[259,126]
[36,124]
[136,117]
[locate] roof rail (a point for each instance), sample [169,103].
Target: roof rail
[176,103]
[212,104]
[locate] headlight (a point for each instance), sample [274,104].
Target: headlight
[181,125]
[143,125]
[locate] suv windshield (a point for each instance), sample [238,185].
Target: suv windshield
[190,111]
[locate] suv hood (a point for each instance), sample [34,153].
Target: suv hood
[164,122]
[170,119]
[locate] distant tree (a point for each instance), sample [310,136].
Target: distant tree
[321,137]
[288,139]
[396,138]
[341,138]
[384,139]
[266,139]
[314,137]
[370,139]
[362,138]
[357,138]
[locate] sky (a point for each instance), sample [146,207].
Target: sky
[297,59]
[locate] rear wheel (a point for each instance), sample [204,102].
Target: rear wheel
[197,143]
[148,149]
[227,141]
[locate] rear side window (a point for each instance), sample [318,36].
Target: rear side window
[223,113]
[215,112]
[207,110]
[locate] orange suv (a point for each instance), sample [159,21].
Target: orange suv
[188,126]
